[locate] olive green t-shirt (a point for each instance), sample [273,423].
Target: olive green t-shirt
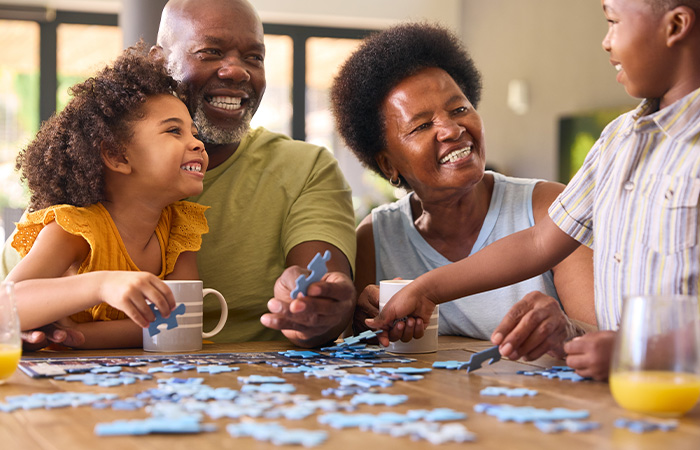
[270,195]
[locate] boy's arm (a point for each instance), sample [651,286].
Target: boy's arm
[514,258]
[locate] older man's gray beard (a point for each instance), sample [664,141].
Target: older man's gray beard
[212,134]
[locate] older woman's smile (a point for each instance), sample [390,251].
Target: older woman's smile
[456,155]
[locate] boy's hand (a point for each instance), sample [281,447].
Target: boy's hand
[128,292]
[590,354]
[532,327]
[410,303]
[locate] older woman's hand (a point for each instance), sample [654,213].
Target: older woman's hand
[534,326]
[367,307]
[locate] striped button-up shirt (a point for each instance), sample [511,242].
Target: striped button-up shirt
[635,202]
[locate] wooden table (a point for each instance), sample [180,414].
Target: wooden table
[72,428]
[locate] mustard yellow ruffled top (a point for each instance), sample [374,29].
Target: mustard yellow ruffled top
[179,229]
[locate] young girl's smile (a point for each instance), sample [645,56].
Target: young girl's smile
[164,152]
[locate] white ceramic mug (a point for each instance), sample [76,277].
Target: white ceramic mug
[429,342]
[188,334]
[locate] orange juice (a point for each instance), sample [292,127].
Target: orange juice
[655,392]
[9,358]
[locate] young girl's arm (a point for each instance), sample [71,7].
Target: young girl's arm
[185,268]
[45,294]
[514,258]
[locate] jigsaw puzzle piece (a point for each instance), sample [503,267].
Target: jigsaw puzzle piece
[475,361]
[171,321]
[318,269]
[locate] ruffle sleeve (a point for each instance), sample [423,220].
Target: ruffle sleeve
[71,218]
[187,225]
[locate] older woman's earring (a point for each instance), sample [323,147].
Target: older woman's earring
[396,183]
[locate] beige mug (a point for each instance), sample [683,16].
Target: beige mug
[188,334]
[429,342]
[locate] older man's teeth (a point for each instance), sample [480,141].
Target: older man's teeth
[192,167]
[618,67]
[455,155]
[224,102]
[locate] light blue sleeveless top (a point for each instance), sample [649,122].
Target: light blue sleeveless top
[400,251]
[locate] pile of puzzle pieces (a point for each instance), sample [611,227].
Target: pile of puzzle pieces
[182,404]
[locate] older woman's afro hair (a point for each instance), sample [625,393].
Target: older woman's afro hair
[382,61]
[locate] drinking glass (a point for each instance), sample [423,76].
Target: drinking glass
[10,342]
[656,366]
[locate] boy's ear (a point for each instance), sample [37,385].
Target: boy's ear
[115,163]
[386,166]
[681,21]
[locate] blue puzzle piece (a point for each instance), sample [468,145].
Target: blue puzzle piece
[153,425]
[171,321]
[573,426]
[643,426]
[318,269]
[522,414]
[371,398]
[304,354]
[475,361]
[449,365]
[352,340]
[436,415]
[495,391]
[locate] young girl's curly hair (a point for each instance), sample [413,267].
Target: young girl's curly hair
[63,164]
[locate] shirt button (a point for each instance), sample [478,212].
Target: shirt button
[617,257]
[669,194]
[629,185]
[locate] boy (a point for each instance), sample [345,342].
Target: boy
[637,193]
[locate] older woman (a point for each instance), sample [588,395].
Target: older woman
[405,103]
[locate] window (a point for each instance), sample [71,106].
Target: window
[81,50]
[19,108]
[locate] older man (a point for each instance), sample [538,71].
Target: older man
[274,202]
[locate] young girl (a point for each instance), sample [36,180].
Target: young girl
[105,223]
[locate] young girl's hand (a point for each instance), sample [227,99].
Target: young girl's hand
[128,292]
[411,302]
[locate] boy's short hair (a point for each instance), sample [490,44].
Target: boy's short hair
[63,164]
[666,5]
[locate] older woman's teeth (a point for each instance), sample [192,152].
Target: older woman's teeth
[192,167]
[224,102]
[455,155]
[618,67]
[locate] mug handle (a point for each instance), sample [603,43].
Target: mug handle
[224,312]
